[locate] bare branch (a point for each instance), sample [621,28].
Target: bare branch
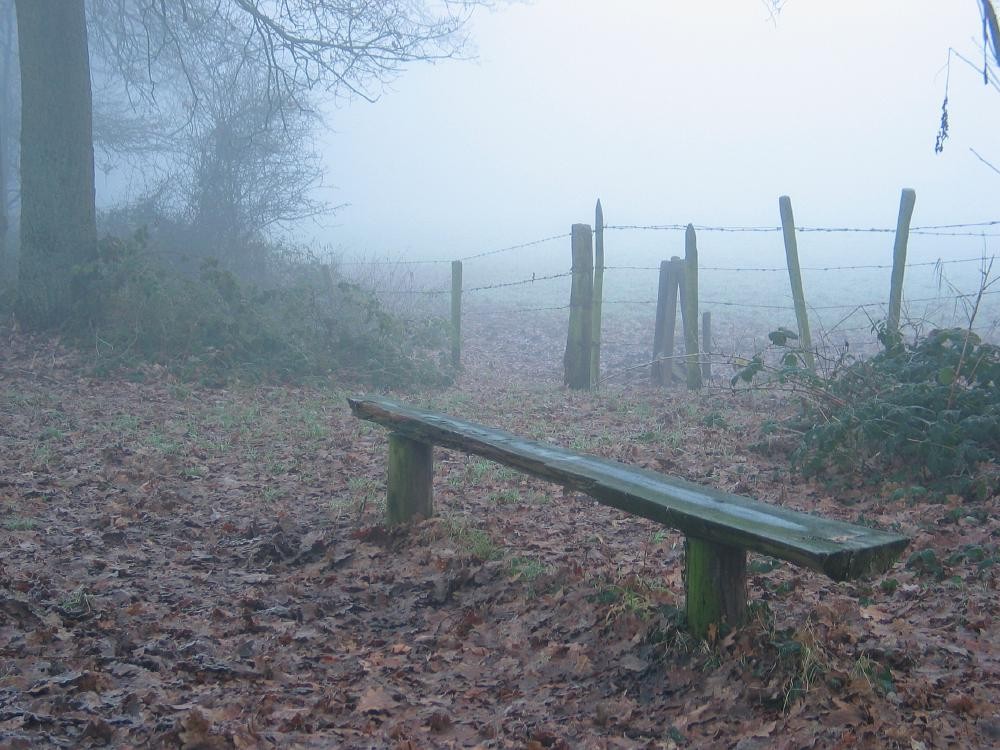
[988,164]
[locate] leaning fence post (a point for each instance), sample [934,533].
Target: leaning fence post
[906,202]
[795,277]
[691,308]
[706,344]
[456,314]
[595,332]
[576,362]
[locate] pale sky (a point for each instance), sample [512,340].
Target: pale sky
[669,112]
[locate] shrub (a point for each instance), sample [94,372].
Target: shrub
[211,325]
[931,408]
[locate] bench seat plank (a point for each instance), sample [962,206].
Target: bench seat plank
[841,550]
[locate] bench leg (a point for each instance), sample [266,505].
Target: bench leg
[716,586]
[411,470]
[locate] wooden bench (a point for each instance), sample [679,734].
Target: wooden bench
[719,527]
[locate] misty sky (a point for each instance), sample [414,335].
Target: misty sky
[669,112]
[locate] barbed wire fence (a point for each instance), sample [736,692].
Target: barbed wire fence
[509,291]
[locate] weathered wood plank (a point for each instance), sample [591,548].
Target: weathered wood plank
[456,314]
[690,309]
[576,361]
[840,550]
[716,586]
[795,278]
[659,326]
[907,200]
[598,296]
[410,492]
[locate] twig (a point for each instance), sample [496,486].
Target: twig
[984,284]
[976,154]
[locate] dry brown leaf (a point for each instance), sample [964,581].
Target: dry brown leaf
[376,700]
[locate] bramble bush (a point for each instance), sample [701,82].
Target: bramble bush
[927,410]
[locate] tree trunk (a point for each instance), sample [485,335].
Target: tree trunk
[6,53]
[58,216]
[4,222]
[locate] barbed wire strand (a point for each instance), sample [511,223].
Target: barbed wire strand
[522,282]
[513,310]
[389,262]
[501,285]
[402,292]
[919,264]
[498,251]
[938,230]
[521,246]
[855,307]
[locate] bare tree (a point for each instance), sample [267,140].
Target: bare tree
[247,166]
[236,167]
[347,47]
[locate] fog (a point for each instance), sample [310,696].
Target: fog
[672,112]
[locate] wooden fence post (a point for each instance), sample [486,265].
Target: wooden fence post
[659,324]
[795,277]
[410,486]
[598,294]
[906,202]
[456,314]
[675,292]
[690,309]
[576,362]
[706,344]
[671,273]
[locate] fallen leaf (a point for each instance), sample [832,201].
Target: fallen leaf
[376,700]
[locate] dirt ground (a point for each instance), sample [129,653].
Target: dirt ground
[206,568]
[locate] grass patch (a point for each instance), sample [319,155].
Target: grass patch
[51,433]
[363,493]
[526,568]
[162,444]
[476,542]
[630,594]
[20,523]
[508,496]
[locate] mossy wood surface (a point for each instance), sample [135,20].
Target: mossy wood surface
[840,550]
[716,585]
[411,470]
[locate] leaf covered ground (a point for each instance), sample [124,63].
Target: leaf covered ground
[206,568]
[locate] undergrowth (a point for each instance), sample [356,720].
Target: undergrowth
[929,409]
[209,325]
